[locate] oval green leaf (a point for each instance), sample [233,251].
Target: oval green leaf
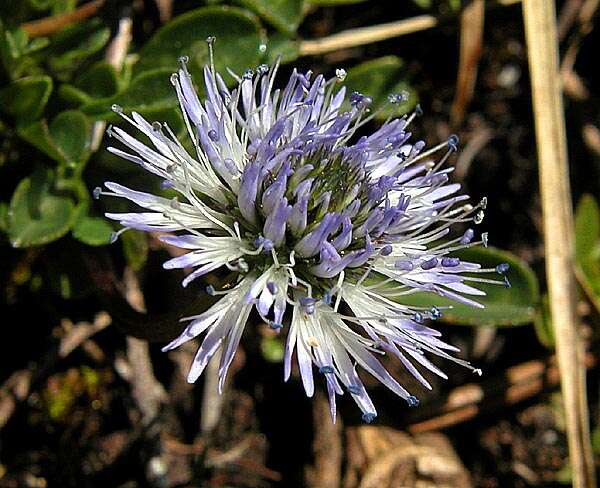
[26,98]
[93,231]
[66,139]
[238,39]
[37,214]
[70,132]
[99,81]
[504,307]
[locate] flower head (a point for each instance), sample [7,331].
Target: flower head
[324,229]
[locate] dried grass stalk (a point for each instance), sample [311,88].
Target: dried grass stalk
[542,42]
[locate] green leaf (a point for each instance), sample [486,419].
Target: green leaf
[503,306]
[284,15]
[379,78]
[93,231]
[66,139]
[587,248]
[280,45]
[587,227]
[135,248]
[75,45]
[333,3]
[149,92]
[26,98]
[543,324]
[3,216]
[37,213]
[41,4]
[71,133]
[99,81]
[238,39]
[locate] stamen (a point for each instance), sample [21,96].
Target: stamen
[412,401]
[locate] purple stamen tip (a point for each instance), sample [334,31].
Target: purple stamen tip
[368,417]
[435,313]
[450,262]
[412,401]
[429,264]
[386,250]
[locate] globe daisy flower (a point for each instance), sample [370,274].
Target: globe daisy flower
[324,228]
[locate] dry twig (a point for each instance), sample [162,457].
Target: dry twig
[18,386]
[50,25]
[471,40]
[367,35]
[327,446]
[542,43]
[518,383]
[115,56]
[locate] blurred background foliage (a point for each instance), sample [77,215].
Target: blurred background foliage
[59,78]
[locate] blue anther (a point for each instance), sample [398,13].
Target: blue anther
[418,317]
[502,268]
[368,417]
[412,401]
[210,290]
[386,250]
[429,264]
[97,192]
[453,142]
[450,262]
[435,313]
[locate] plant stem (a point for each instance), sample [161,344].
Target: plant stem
[50,25]
[542,43]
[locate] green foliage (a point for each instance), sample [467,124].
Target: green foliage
[587,247]
[66,139]
[379,78]
[332,3]
[281,46]
[238,33]
[16,50]
[93,231]
[284,15]
[504,307]
[26,98]
[543,324]
[38,213]
[147,93]
[71,47]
